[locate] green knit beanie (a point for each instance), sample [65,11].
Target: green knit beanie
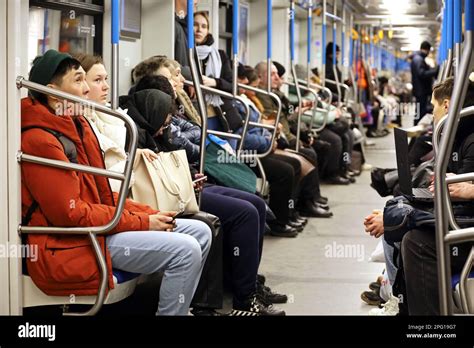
[44,68]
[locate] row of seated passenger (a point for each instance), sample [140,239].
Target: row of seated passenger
[410,283]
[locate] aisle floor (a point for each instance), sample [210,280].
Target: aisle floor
[326,268]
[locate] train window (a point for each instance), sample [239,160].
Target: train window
[65,26]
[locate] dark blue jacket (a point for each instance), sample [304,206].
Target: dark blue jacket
[257,139]
[422,75]
[185,135]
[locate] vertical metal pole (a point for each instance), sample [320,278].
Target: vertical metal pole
[197,83]
[457,34]
[446,144]
[235,44]
[115,51]
[334,52]
[343,41]
[269,44]
[323,39]
[310,39]
[450,36]
[372,55]
[444,42]
[293,70]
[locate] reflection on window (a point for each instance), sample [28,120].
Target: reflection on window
[59,30]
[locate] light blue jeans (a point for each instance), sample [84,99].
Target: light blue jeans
[180,254]
[390,265]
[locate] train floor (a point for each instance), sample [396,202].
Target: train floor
[326,268]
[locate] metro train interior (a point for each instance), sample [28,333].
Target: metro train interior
[236,158]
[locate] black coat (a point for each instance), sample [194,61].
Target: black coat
[181,46]
[462,159]
[422,75]
[330,75]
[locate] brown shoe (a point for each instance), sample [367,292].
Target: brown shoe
[371,298]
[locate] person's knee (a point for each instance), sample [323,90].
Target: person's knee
[191,256]
[260,205]
[286,172]
[203,234]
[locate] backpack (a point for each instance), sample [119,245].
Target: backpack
[69,150]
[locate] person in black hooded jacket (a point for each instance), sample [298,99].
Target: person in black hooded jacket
[151,115]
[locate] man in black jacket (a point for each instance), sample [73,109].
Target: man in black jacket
[419,246]
[422,79]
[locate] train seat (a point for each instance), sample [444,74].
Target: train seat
[125,283]
[470,291]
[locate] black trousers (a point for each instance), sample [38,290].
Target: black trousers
[329,162]
[422,107]
[242,216]
[282,175]
[421,271]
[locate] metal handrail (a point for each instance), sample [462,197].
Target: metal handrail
[246,120]
[436,139]
[465,300]
[263,125]
[325,89]
[344,86]
[93,231]
[326,111]
[447,141]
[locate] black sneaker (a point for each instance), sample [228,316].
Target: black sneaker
[255,307]
[205,312]
[270,297]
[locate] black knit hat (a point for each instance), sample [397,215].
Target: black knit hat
[44,68]
[280,68]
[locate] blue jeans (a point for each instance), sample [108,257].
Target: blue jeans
[389,262]
[180,254]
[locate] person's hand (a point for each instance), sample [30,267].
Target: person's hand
[303,109]
[432,179]
[374,224]
[307,103]
[461,190]
[149,155]
[199,185]
[275,146]
[191,92]
[163,221]
[209,82]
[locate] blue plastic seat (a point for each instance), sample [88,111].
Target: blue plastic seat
[456,278]
[124,276]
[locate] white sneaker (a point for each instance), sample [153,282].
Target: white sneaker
[367,167]
[388,308]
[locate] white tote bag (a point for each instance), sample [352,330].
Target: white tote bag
[165,184]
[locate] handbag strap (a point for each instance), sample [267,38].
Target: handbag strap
[176,191]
